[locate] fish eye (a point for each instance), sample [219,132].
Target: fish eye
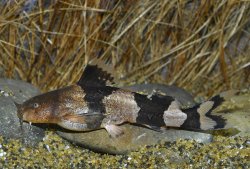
[35,105]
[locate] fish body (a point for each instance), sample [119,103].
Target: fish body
[91,104]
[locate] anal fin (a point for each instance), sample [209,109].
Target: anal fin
[151,127]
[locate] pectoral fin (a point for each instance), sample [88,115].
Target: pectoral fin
[114,130]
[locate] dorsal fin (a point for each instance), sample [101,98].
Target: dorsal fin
[96,73]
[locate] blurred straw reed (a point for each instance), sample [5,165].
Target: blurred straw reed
[202,46]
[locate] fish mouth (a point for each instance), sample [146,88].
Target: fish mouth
[19,114]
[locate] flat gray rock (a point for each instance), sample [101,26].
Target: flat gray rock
[135,136]
[18,91]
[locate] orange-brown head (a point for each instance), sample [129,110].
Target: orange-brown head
[36,110]
[52,106]
[66,107]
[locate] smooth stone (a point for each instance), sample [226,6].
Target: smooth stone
[133,138]
[136,136]
[18,91]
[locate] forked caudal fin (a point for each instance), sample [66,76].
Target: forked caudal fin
[200,117]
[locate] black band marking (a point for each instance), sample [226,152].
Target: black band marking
[193,118]
[152,110]
[94,97]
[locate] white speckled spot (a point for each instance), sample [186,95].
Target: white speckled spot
[82,110]
[174,105]
[174,117]
[120,107]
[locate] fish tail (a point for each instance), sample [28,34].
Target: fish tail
[200,117]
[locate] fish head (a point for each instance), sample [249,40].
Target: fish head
[36,110]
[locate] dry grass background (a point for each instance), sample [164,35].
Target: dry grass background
[203,46]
